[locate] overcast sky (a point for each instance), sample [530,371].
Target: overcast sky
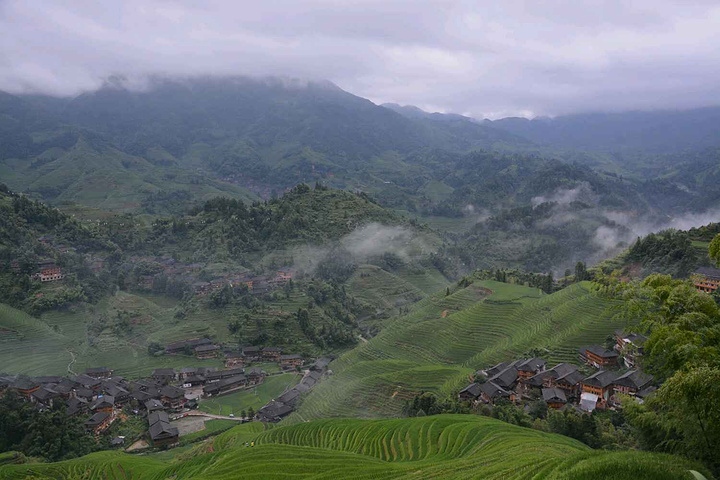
[480,58]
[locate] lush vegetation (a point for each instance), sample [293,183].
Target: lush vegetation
[443,339]
[455,446]
[683,349]
[51,434]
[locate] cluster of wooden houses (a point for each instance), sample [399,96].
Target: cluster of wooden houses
[204,348]
[100,395]
[46,271]
[565,384]
[189,273]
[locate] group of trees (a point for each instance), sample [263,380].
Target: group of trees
[48,434]
[683,352]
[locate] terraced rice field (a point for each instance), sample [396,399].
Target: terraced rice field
[444,446]
[445,338]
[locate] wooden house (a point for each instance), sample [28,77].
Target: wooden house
[631,346]
[631,382]
[103,403]
[271,354]
[530,367]
[706,279]
[164,376]
[172,397]
[291,361]
[507,378]
[161,433]
[99,422]
[598,356]
[554,397]
[76,406]
[470,393]
[234,359]
[600,384]
[45,395]
[225,385]
[491,393]
[570,383]
[153,405]
[25,386]
[207,351]
[252,353]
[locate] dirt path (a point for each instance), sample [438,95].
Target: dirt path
[444,313]
[72,360]
[210,415]
[362,339]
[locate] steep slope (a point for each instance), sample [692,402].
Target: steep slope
[445,338]
[445,446]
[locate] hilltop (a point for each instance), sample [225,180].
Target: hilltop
[446,446]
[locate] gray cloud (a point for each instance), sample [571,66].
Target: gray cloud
[484,59]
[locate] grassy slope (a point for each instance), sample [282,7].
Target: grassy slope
[447,446]
[255,398]
[426,351]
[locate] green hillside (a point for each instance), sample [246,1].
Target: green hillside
[443,339]
[446,446]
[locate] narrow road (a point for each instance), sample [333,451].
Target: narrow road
[362,339]
[69,367]
[210,415]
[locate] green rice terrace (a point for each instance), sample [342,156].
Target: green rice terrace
[444,446]
[444,339]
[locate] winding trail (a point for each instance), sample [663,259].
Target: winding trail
[69,367]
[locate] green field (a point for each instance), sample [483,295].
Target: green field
[444,446]
[272,387]
[445,338]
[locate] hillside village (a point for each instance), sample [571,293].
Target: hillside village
[168,394]
[568,386]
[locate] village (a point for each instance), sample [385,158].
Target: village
[169,394]
[564,386]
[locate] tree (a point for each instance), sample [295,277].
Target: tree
[580,272]
[714,249]
[251,413]
[154,348]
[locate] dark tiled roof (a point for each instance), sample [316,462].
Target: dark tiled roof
[97,419]
[103,402]
[161,430]
[601,352]
[271,349]
[601,379]
[172,392]
[553,395]
[573,378]
[506,378]
[25,383]
[289,397]
[562,369]
[158,416]
[646,391]
[492,390]
[708,272]
[531,365]
[154,404]
[494,370]
[206,348]
[164,372]
[472,389]
[633,379]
